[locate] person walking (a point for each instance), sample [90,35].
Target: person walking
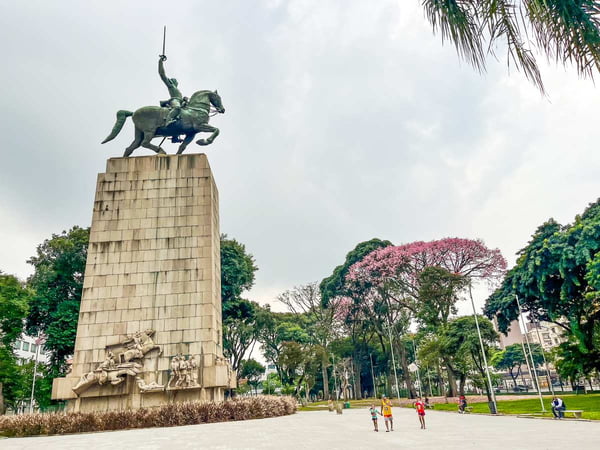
[386,411]
[558,407]
[374,413]
[420,407]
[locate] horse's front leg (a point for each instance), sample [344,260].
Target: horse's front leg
[206,127]
[188,138]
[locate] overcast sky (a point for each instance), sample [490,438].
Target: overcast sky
[345,121]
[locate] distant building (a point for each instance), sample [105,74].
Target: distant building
[547,334]
[514,336]
[26,349]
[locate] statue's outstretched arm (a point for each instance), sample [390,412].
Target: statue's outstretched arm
[161,72]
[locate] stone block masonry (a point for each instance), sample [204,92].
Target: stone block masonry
[153,264]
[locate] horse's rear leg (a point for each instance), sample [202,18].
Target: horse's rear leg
[137,141]
[184,144]
[148,135]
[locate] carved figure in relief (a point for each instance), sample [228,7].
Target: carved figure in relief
[193,365]
[151,387]
[102,376]
[138,345]
[132,348]
[184,372]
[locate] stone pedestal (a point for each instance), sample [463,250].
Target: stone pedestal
[152,289]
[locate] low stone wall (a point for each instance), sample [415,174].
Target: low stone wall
[176,414]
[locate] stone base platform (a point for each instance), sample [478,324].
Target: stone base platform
[149,330]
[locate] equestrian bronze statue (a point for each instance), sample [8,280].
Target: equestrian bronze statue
[175,117]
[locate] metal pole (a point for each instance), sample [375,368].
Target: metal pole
[487,369]
[335,379]
[537,381]
[418,368]
[37,352]
[373,377]
[537,329]
[393,359]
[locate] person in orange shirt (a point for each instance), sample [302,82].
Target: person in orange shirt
[386,411]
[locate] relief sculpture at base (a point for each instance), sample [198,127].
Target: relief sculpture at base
[132,351]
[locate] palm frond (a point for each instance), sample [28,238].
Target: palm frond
[568,31]
[456,22]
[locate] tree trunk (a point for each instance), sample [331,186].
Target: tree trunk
[452,388]
[441,384]
[412,393]
[463,380]
[325,378]
[357,382]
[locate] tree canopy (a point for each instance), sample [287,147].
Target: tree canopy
[557,279]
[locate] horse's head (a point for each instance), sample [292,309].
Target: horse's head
[215,99]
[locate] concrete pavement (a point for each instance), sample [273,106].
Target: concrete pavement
[352,430]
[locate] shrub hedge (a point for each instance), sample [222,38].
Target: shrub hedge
[190,413]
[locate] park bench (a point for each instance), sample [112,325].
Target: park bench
[576,412]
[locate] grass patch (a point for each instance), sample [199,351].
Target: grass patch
[590,404]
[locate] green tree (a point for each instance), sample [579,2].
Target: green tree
[278,328]
[14,304]
[59,266]
[562,30]
[462,341]
[252,371]
[271,384]
[557,279]
[357,322]
[512,358]
[238,270]
[321,321]
[240,326]
[335,285]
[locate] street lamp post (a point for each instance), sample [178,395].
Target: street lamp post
[487,369]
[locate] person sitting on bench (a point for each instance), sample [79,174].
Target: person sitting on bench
[558,407]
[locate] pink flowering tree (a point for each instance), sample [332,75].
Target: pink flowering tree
[396,269]
[386,282]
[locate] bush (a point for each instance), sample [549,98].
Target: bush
[190,413]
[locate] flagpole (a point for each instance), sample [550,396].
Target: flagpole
[537,380]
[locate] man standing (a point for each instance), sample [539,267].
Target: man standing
[386,411]
[558,407]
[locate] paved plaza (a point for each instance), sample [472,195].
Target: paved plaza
[352,430]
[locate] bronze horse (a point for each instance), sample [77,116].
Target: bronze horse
[149,122]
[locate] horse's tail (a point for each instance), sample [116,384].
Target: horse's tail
[122,116]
